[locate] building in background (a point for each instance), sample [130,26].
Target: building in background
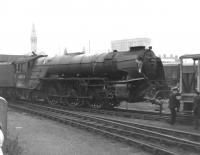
[171,59]
[125,44]
[33,40]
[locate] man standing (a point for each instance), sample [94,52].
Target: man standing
[196,110]
[173,104]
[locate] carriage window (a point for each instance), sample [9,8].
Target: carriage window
[21,67]
[18,67]
[30,64]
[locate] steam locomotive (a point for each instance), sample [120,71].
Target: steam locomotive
[79,79]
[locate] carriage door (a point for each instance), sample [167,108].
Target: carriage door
[21,69]
[189,79]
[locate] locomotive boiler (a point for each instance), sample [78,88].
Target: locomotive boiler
[79,79]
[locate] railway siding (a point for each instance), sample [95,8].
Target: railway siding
[136,134]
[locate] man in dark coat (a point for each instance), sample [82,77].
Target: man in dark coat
[173,104]
[196,110]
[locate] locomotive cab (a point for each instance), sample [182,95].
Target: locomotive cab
[24,71]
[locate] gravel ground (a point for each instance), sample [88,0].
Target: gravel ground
[40,136]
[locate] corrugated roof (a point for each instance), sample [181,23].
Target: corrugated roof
[192,56]
[10,58]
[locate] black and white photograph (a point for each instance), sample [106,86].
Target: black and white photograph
[99,77]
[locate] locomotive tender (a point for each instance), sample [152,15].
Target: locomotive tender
[79,79]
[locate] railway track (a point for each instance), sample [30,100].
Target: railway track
[152,139]
[129,113]
[146,115]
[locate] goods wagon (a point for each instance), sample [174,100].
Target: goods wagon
[172,74]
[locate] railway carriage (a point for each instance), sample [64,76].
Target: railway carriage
[172,74]
[79,79]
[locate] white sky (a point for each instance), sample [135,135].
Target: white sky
[172,25]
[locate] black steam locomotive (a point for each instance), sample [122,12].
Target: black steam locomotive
[78,79]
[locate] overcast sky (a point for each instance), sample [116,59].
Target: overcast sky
[172,25]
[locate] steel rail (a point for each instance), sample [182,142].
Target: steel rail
[130,113]
[141,128]
[123,131]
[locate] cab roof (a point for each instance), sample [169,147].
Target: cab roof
[190,56]
[27,59]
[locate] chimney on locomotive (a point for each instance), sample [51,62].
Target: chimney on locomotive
[136,48]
